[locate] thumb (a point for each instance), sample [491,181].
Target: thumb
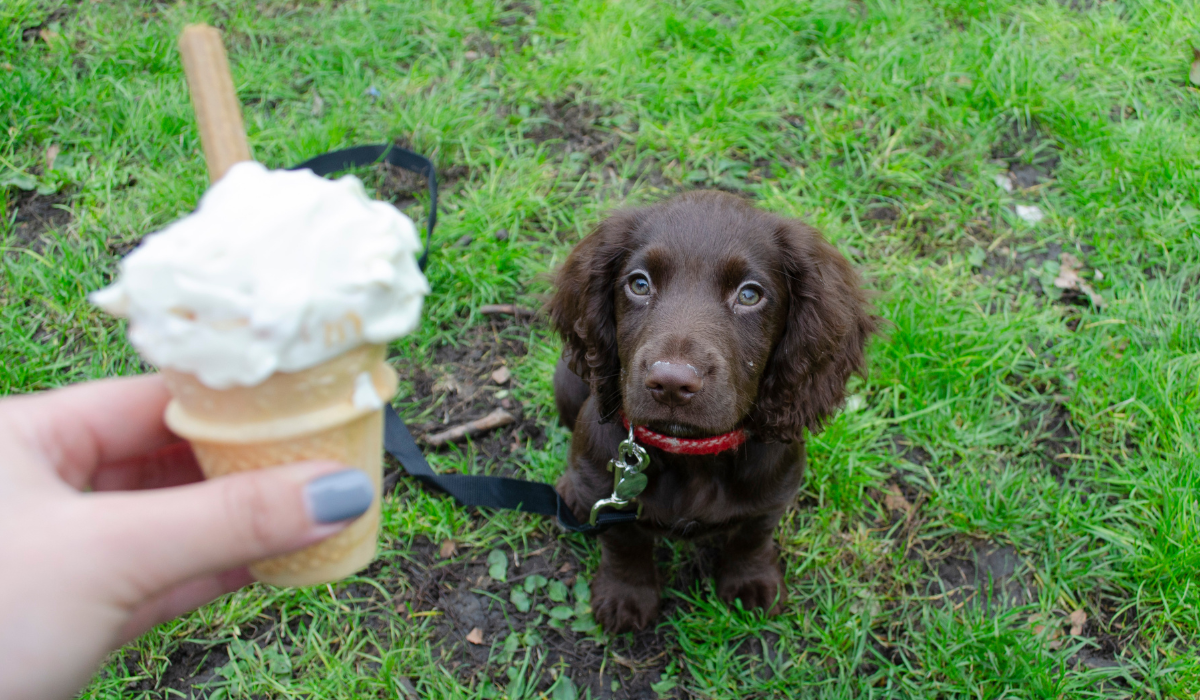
[166,536]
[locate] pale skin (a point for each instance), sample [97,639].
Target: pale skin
[105,532]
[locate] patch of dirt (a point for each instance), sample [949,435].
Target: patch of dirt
[34,32]
[1081,5]
[978,573]
[1120,113]
[1031,155]
[36,214]
[1020,257]
[473,621]
[577,122]
[881,212]
[190,667]
[458,387]
[401,187]
[514,12]
[1055,437]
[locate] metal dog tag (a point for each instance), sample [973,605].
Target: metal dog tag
[628,479]
[630,486]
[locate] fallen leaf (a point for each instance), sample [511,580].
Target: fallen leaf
[475,636]
[1069,278]
[51,156]
[1077,620]
[895,500]
[501,376]
[448,548]
[1030,214]
[1194,75]
[557,591]
[48,35]
[1003,181]
[564,568]
[471,55]
[519,599]
[497,565]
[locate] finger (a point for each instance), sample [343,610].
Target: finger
[173,465]
[181,599]
[80,427]
[164,537]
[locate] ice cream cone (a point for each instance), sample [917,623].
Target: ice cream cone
[329,411]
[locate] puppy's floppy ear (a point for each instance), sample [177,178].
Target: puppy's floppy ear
[827,328]
[584,311]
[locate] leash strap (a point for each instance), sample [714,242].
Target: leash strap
[336,161]
[479,491]
[489,491]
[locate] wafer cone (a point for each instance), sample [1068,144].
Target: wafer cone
[293,417]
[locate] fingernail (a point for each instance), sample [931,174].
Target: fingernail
[339,496]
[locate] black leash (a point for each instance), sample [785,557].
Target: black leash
[479,491]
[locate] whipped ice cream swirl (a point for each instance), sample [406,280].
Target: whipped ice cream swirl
[274,271]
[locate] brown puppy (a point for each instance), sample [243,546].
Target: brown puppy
[696,317]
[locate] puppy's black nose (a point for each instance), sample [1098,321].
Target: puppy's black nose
[673,384]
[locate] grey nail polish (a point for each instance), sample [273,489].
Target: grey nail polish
[339,496]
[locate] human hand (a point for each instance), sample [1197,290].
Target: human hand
[85,572]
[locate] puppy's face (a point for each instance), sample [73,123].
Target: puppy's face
[703,312]
[700,303]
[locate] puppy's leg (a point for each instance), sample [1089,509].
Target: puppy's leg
[749,567]
[569,394]
[625,592]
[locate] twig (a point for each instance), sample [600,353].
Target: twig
[496,419]
[504,310]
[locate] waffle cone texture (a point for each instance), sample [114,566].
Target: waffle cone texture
[293,417]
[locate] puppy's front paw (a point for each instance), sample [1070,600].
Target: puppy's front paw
[757,586]
[621,606]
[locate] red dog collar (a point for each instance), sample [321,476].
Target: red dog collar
[687,446]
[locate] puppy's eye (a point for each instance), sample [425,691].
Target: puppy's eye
[639,285]
[749,295]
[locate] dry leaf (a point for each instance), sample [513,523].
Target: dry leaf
[1077,620]
[447,549]
[1194,76]
[1003,181]
[471,55]
[447,384]
[51,156]
[48,35]
[501,376]
[895,500]
[475,636]
[1068,278]
[564,568]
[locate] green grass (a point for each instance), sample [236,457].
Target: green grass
[1065,433]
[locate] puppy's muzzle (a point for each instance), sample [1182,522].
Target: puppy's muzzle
[674,384]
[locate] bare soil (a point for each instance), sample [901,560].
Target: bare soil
[36,215]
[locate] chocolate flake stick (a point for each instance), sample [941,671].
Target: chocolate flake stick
[218,111]
[496,419]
